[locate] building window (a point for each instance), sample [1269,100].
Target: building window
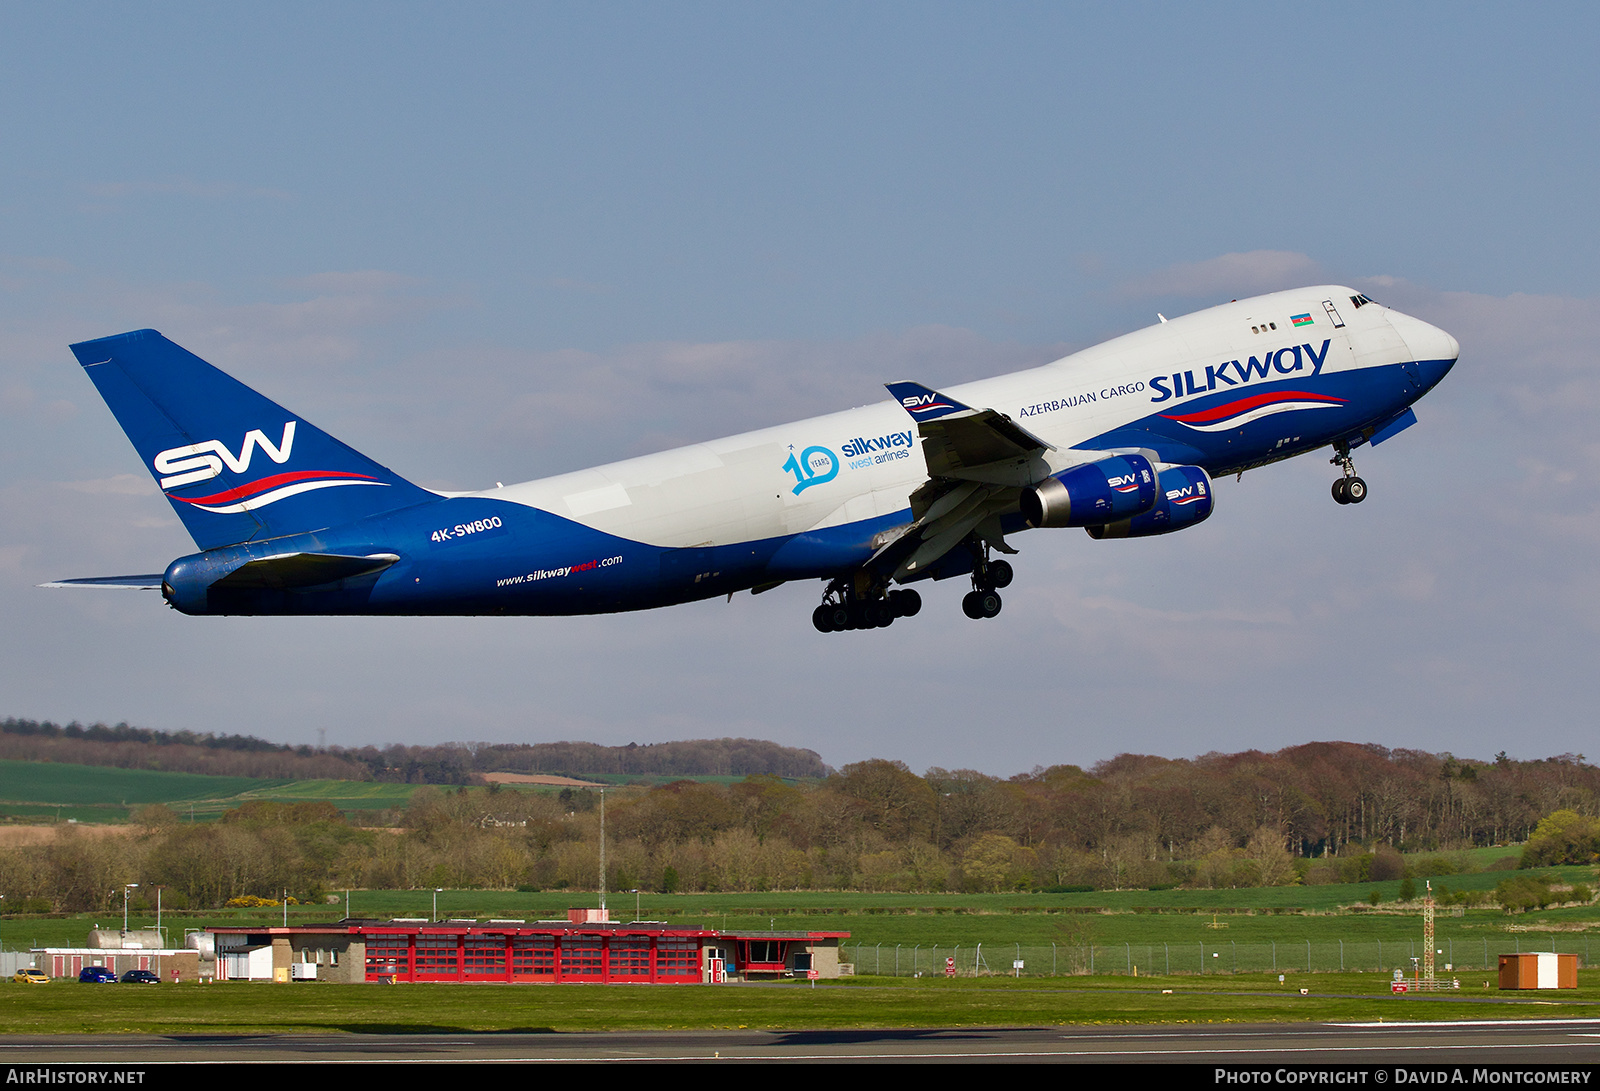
[486,957]
[580,956]
[437,957]
[533,956]
[630,957]
[763,950]
[677,958]
[388,955]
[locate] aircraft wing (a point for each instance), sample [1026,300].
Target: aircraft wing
[957,439]
[974,457]
[951,510]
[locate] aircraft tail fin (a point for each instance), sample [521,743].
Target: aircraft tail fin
[235,465]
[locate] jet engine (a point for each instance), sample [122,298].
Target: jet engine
[1184,500]
[1116,488]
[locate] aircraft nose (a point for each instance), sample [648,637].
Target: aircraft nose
[1428,344]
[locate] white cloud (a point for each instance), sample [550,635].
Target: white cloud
[568,409]
[355,282]
[120,485]
[1230,276]
[333,323]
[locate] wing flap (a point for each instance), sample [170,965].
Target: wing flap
[974,440]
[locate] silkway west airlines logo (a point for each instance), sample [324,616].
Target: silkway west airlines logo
[202,461]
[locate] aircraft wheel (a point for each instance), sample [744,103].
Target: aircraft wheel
[972,605]
[1356,490]
[1000,574]
[1341,492]
[905,603]
[880,613]
[839,619]
[822,618]
[989,603]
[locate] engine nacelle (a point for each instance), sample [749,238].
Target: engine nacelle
[1119,487]
[1185,499]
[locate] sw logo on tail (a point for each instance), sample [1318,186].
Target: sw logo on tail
[193,463]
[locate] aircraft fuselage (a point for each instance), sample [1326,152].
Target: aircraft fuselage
[1225,389]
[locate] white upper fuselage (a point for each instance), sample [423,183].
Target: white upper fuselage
[737,489]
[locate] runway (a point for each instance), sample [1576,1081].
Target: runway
[1524,1042]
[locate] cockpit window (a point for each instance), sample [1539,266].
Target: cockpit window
[1360,301]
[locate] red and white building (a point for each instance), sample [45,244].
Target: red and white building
[579,949]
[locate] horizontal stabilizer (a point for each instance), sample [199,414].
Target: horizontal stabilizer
[130,583]
[288,571]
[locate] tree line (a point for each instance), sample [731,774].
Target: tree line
[1319,813]
[124,747]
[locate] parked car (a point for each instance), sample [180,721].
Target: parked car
[140,977]
[95,975]
[30,975]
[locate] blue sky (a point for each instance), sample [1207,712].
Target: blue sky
[519,239]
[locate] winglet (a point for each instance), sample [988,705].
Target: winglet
[924,404]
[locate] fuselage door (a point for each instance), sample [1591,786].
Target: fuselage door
[1333,315]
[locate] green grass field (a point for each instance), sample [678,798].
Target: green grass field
[99,794]
[92,793]
[1218,919]
[1146,930]
[236,1007]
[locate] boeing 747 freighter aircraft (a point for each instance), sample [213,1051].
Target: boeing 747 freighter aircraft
[1122,439]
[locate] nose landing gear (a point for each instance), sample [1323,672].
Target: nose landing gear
[1349,489]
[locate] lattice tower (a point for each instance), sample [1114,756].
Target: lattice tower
[1427,934]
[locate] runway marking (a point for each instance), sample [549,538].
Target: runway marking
[1472,1023]
[701,1057]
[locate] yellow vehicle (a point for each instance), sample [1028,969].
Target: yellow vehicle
[30,975]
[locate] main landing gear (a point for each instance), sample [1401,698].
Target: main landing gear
[1349,489]
[987,578]
[844,607]
[861,601]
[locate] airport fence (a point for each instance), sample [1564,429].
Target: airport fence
[1303,956]
[12,961]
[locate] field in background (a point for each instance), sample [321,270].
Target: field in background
[99,794]
[1221,920]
